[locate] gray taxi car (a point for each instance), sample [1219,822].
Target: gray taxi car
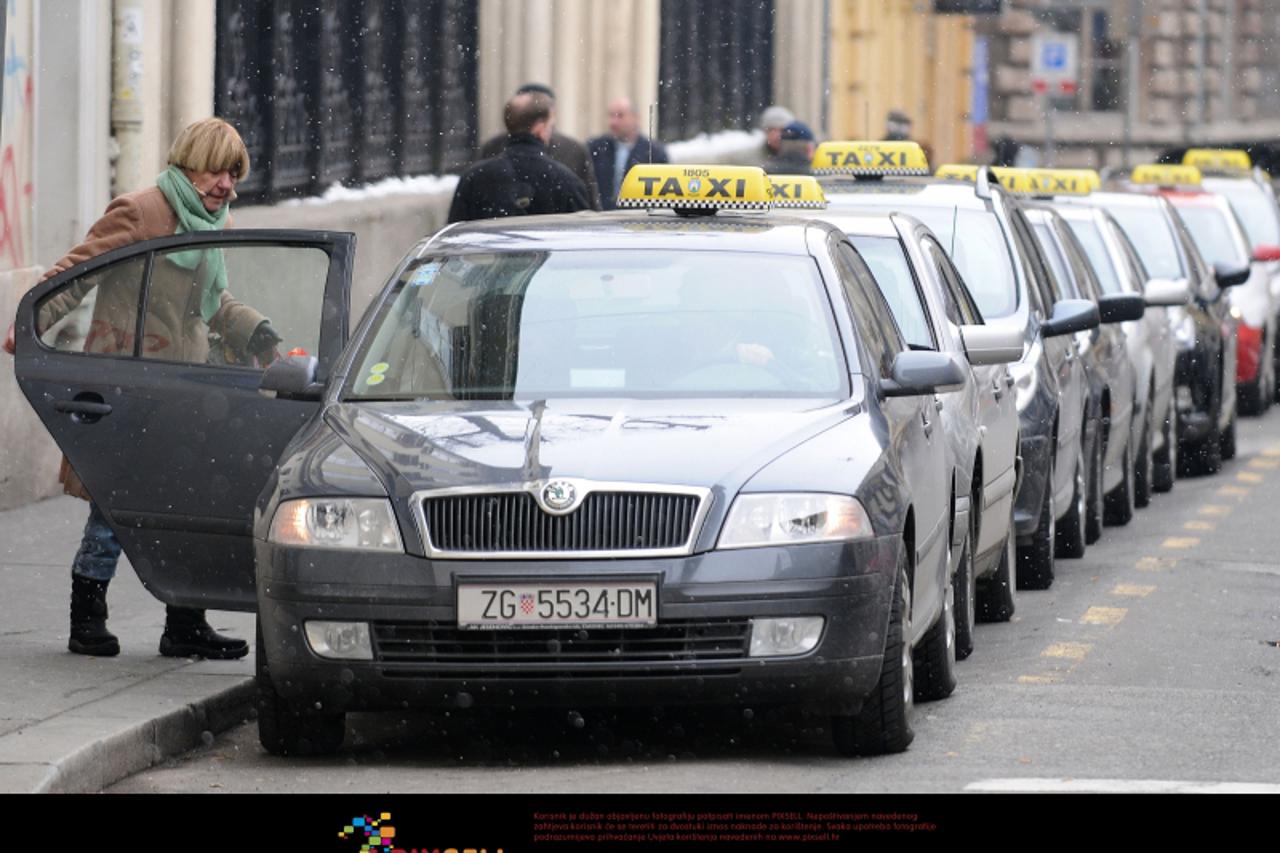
[635,457]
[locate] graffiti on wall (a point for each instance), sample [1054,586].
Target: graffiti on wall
[16,190]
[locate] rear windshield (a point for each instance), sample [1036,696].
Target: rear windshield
[1152,236]
[617,323]
[1213,235]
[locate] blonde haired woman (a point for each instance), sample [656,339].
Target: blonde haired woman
[193,194]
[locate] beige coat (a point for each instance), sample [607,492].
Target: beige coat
[174,329]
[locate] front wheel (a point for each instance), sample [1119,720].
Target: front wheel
[1228,450]
[1071,530]
[1120,502]
[966,587]
[997,595]
[1035,562]
[1144,473]
[286,729]
[883,724]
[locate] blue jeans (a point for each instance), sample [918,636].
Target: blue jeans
[99,549]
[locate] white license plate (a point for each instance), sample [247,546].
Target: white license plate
[556,604]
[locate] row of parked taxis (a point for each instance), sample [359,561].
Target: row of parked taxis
[743,441]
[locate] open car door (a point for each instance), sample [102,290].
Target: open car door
[141,372]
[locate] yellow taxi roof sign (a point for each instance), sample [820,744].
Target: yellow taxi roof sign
[1049,181]
[957,172]
[1218,159]
[707,188]
[797,191]
[870,158]
[1166,175]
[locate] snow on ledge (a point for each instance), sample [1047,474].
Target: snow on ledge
[725,146]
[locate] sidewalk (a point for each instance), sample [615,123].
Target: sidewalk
[71,723]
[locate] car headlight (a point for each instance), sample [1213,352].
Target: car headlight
[1184,330]
[362,524]
[783,519]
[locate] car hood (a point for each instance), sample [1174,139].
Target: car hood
[412,446]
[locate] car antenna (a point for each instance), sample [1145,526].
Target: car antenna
[653,113]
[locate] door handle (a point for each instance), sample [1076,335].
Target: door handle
[937,403]
[1071,355]
[82,407]
[996,390]
[928,424]
[1008,380]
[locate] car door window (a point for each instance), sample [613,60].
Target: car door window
[1057,263]
[888,263]
[205,305]
[95,313]
[871,315]
[1050,291]
[1088,282]
[959,306]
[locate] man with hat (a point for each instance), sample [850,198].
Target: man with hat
[772,121]
[796,143]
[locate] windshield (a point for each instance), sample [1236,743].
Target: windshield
[1254,207]
[977,247]
[888,263]
[1150,234]
[1213,235]
[536,325]
[1086,231]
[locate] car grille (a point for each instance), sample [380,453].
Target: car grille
[559,652]
[605,522]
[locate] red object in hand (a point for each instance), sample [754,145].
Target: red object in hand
[10,340]
[298,351]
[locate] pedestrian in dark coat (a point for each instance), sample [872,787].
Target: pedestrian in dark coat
[523,179]
[795,151]
[563,149]
[620,149]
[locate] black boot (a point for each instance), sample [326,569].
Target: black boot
[89,634]
[187,635]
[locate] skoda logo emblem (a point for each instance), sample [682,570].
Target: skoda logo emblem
[559,495]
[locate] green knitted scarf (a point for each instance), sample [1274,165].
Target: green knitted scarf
[193,216]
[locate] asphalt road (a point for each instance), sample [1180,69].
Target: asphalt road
[1153,664]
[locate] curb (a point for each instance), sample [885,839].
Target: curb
[104,762]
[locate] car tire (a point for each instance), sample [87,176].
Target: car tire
[1119,502]
[1166,467]
[285,729]
[883,724]
[1205,456]
[1144,470]
[1035,562]
[1228,444]
[998,595]
[1093,527]
[1071,529]
[966,586]
[934,657]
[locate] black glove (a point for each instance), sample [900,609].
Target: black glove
[264,339]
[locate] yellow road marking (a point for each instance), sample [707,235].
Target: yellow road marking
[1104,615]
[1155,564]
[1215,509]
[1132,589]
[1249,477]
[1039,679]
[1264,463]
[1180,542]
[1199,525]
[1272,451]
[1233,491]
[1070,651]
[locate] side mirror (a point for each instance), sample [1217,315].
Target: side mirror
[919,373]
[992,344]
[1071,316]
[1119,307]
[1230,275]
[1266,253]
[292,378]
[1166,293]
